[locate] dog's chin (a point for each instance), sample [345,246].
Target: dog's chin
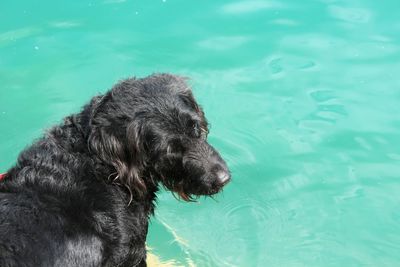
[193,196]
[190,192]
[187,197]
[184,195]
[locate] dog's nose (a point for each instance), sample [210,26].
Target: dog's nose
[223,177]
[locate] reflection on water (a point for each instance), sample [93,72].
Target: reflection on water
[302,98]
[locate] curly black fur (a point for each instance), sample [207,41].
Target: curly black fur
[82,194]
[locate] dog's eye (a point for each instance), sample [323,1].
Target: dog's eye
[196,132]
[194,129]
[204,133]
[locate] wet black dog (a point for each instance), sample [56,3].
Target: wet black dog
[82,195]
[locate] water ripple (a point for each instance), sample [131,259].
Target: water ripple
[17,34]
[223,42]
[355,15]
[247,222]
[249,6]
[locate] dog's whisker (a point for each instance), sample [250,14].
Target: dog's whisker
[130,195]
[116,178]
[108,178]
[168,149]
[186,197]
[213,198]
[174,194]
[152,178]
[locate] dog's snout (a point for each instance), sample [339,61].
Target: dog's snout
[223,177]
[208,172]
[219,169]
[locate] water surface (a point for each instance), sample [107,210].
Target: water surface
[303,100]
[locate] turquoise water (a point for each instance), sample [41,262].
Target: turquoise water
[303,99]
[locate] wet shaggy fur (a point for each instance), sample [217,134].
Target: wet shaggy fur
[82,194]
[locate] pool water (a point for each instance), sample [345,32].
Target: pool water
[303,99]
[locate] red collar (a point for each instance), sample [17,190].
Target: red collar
[2,175]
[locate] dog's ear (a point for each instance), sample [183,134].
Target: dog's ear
[136,155]
[119,145]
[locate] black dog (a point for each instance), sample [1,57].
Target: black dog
[82,195]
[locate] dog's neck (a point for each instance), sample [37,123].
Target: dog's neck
[106,170]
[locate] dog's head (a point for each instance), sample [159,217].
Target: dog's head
[152,129]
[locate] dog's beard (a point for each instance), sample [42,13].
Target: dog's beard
[177,190]
[191,197]
[186,197]
[176,179]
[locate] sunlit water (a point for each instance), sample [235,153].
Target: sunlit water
[303,98]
